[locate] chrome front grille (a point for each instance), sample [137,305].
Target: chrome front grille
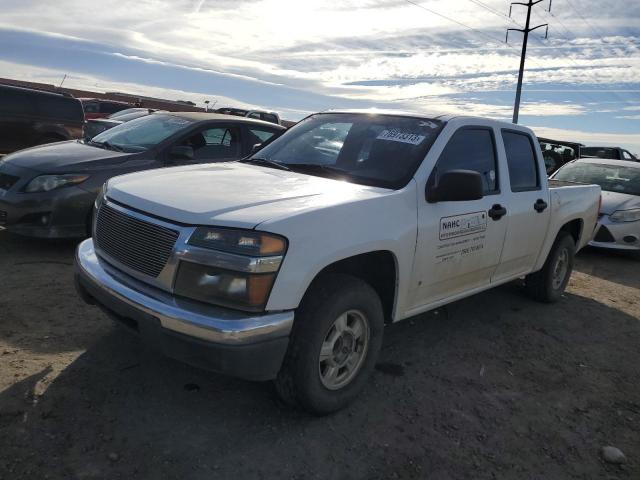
[142,246]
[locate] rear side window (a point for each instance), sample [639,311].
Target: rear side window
[521,158]
[260,135]
[63,108]
[471,149]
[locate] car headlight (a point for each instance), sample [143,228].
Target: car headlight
[46,183]
[625,215]
[241,272]
[243,242]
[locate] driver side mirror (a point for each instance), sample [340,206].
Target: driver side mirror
[181,152]
[456,186]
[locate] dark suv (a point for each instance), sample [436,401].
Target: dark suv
[31,117]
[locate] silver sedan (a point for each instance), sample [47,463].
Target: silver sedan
[619,219]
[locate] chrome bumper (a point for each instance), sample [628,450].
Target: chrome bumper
[193,319]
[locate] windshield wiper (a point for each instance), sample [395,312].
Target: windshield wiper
[265,163]
[112,146]
[310,167]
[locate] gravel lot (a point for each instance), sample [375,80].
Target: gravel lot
[494,386]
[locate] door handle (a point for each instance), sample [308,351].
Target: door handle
[497,212]
[540,205]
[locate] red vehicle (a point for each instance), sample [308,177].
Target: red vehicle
[98,108]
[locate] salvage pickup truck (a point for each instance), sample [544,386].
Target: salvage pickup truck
[287,265]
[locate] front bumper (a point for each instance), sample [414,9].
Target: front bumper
[57,214]
[617,235]
[227,341]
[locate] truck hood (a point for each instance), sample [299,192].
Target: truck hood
[612,201]
[65,157]
[230,194]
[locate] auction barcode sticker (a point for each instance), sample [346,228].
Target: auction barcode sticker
[395,135]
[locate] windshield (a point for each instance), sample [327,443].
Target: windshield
[142,133]
[611,178]
[369,149]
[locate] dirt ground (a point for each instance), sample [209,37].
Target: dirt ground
[491,387]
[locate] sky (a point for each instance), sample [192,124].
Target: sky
[582,83]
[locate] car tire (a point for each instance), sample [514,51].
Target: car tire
[548,284]
[334,346]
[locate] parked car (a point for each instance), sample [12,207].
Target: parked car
[31,117]
[49,191]
[619,220]
[287,265]
[99,108]
[612,153]
[558,152]
[271,117]
[98,125]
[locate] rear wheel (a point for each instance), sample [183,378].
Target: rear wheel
[549,284]
[336,339]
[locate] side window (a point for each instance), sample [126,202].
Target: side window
[215,143]
[626,155]
[268,117]
[521,158]
[90,107]
[109,108]
[471,149]
[260,135]
[255,115]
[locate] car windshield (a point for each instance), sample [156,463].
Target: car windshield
[369,149]
[611,178]
[142,133]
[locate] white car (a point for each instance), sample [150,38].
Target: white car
[619,221]
[287,265]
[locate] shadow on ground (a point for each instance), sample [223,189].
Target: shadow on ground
[494,386]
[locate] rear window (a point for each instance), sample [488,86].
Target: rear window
[611,178]
[521,159]
[41,104]
[64,108]
[16,101]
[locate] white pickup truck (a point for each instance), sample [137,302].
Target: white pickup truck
[287,265]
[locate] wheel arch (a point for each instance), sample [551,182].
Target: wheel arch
[378,268]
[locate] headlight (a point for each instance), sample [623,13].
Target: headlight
[247,291]
[625,215]
[101,195]
[239,274]
[243,242]
[46,183]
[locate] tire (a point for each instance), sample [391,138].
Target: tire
[335,309]
[548,284]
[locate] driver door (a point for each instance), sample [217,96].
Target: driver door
[460,242]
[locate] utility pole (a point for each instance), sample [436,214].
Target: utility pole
[530,4]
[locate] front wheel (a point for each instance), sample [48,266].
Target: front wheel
[336,339]
[549,284]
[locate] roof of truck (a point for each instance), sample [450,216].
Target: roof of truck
[445,117]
